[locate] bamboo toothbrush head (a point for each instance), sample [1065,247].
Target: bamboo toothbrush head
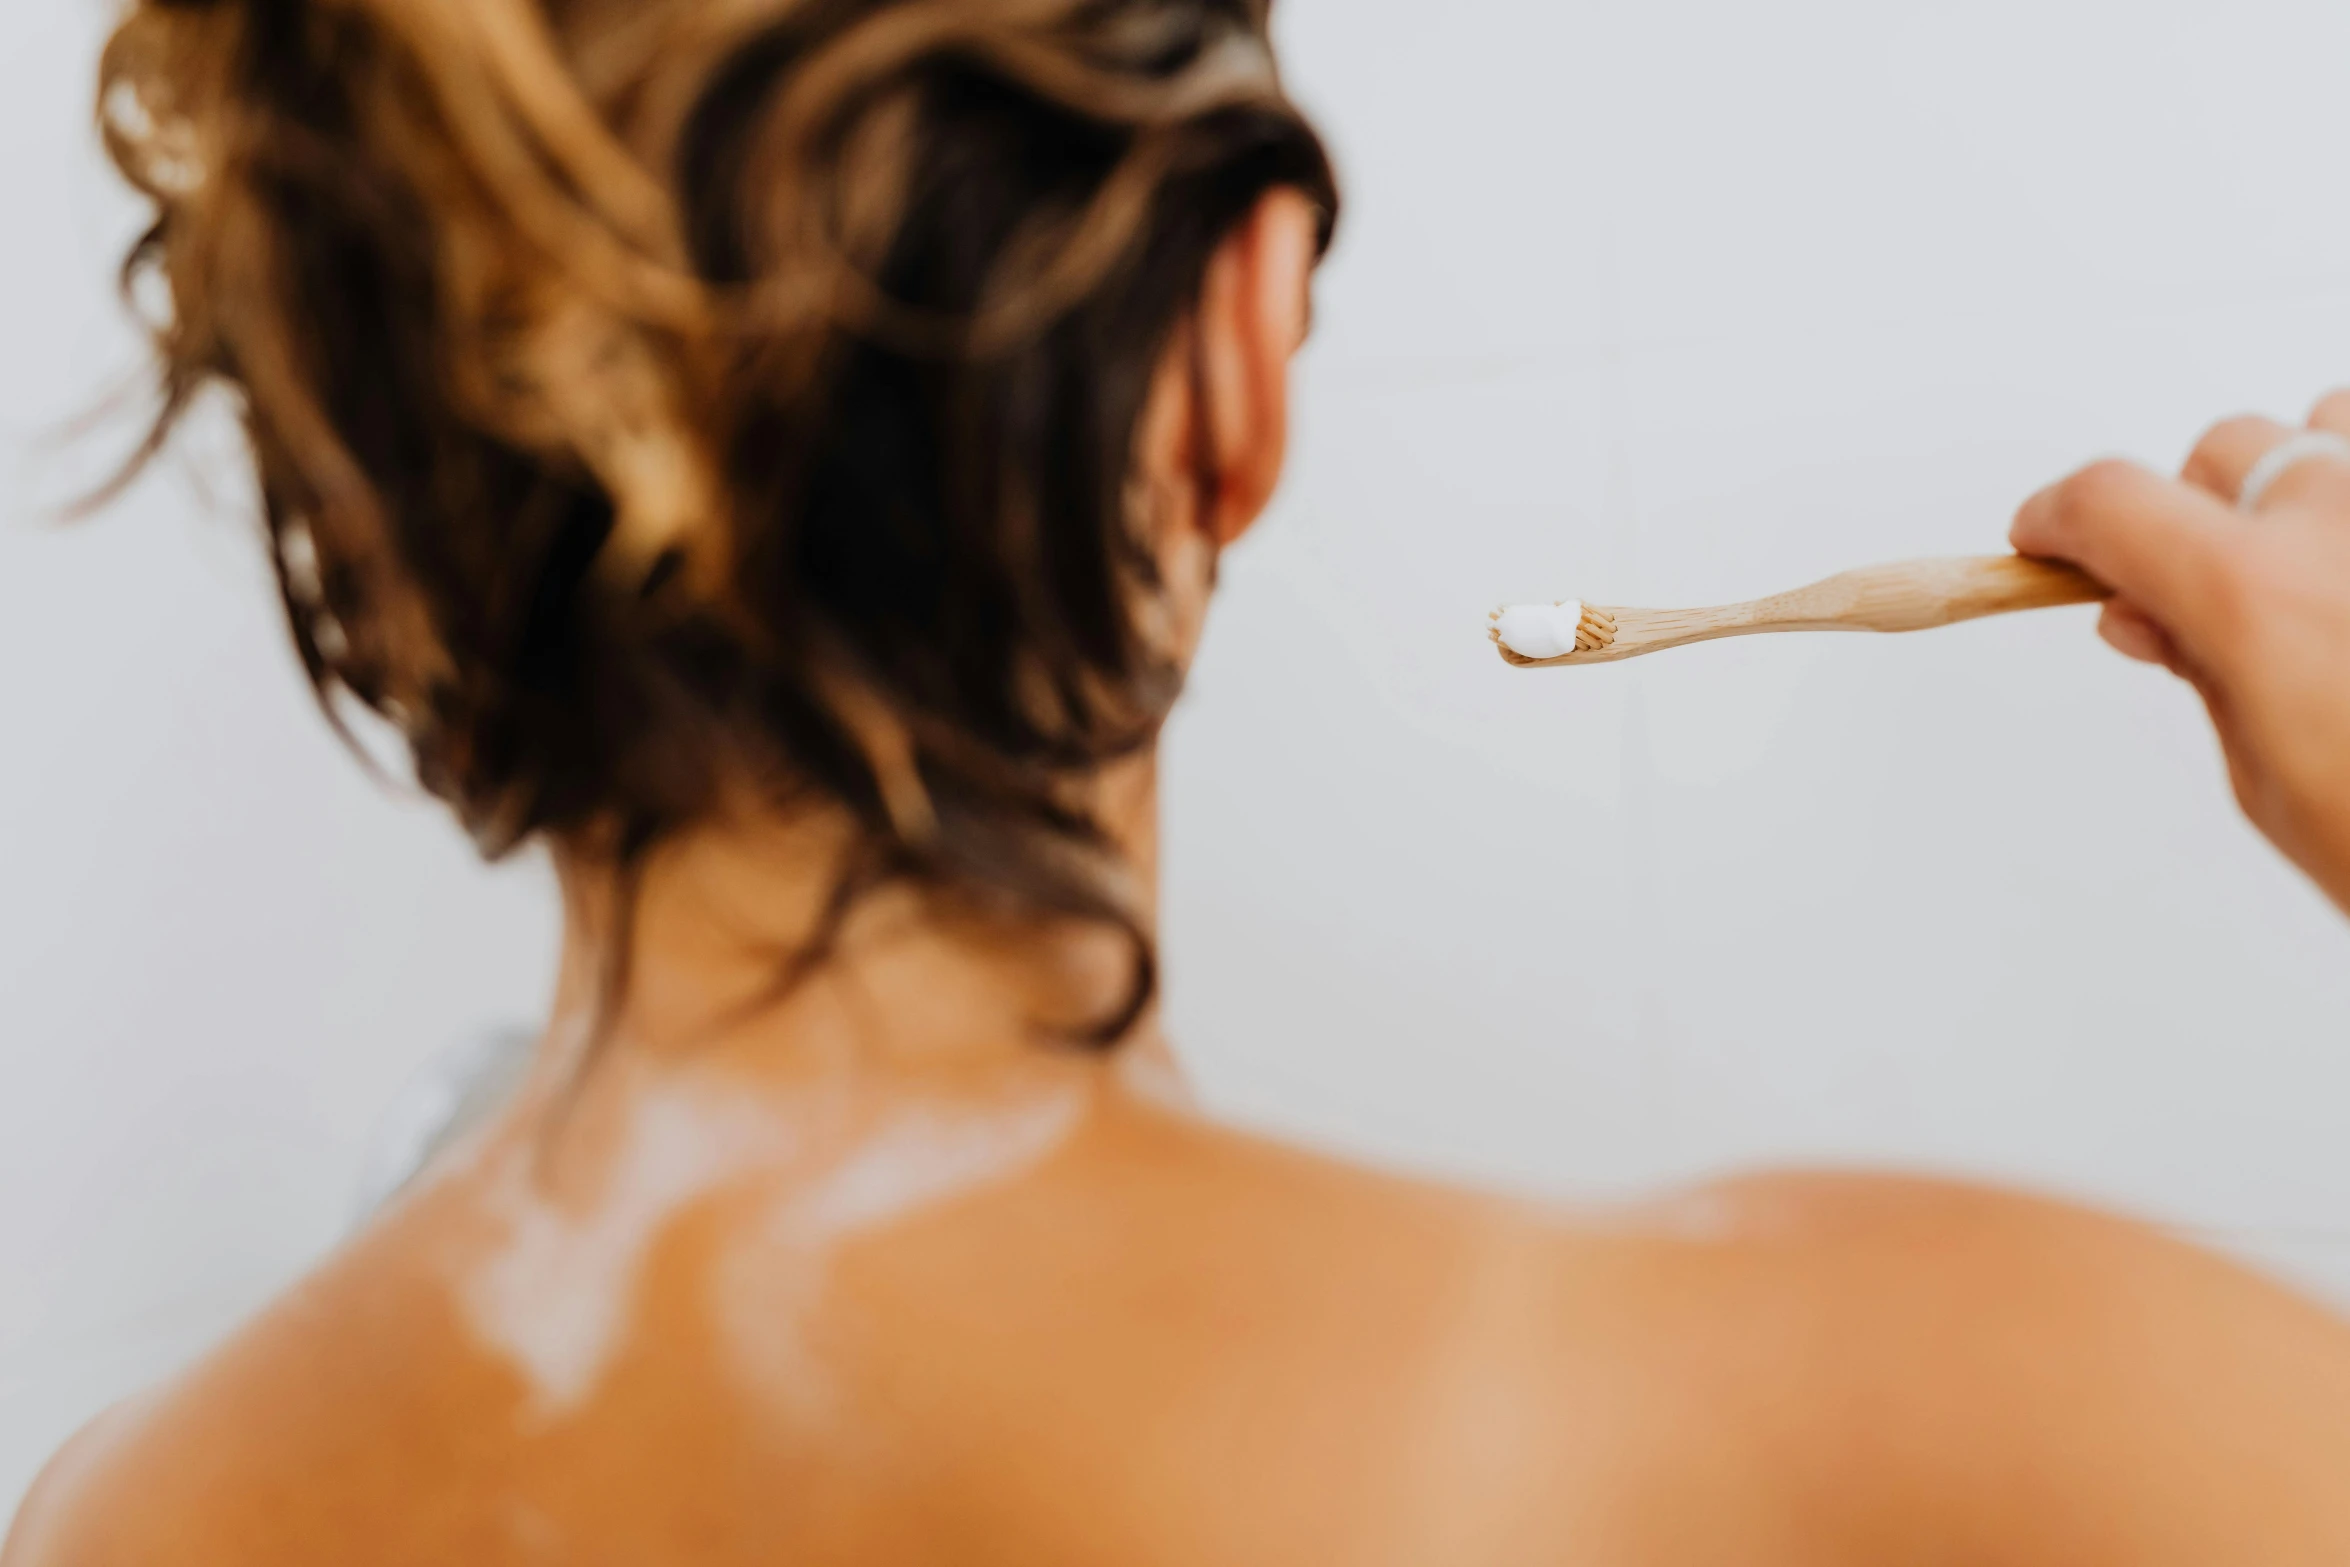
[1567,627]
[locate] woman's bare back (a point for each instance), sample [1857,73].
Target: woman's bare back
[1070,1325]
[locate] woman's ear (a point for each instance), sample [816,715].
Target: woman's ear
[1253,313]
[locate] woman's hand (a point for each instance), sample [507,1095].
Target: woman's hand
[2253,609]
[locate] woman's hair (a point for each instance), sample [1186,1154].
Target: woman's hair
[655,397]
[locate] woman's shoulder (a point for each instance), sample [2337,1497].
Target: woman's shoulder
[1928,1361]
[332,1405]
[56,1524]
[1773,1366]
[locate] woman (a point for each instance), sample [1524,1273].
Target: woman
[775,455]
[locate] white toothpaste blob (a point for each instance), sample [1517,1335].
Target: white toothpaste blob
[1540,630]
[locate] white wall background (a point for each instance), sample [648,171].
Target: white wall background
[1650,300]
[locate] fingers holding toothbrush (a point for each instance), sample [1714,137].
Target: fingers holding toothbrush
[2156,542]
[2219,465]
[2251,606]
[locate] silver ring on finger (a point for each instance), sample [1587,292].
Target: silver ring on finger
[2283,458]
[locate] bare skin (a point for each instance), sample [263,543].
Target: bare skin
[871,1276]
[2253,610]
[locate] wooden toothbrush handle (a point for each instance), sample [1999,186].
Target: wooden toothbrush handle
[1912,596]
[1919,595]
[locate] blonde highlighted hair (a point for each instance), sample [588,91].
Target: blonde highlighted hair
[652,395]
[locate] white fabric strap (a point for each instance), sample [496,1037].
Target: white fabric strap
[2308,446]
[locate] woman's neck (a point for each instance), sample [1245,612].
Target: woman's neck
[909,1067]
[718,920]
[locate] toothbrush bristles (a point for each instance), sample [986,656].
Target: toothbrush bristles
[1595,632]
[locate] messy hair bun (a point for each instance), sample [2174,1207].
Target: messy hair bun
[652,396]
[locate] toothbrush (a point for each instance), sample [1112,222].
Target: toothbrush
[1911,596]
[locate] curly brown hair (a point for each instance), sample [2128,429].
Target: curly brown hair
[655,396]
